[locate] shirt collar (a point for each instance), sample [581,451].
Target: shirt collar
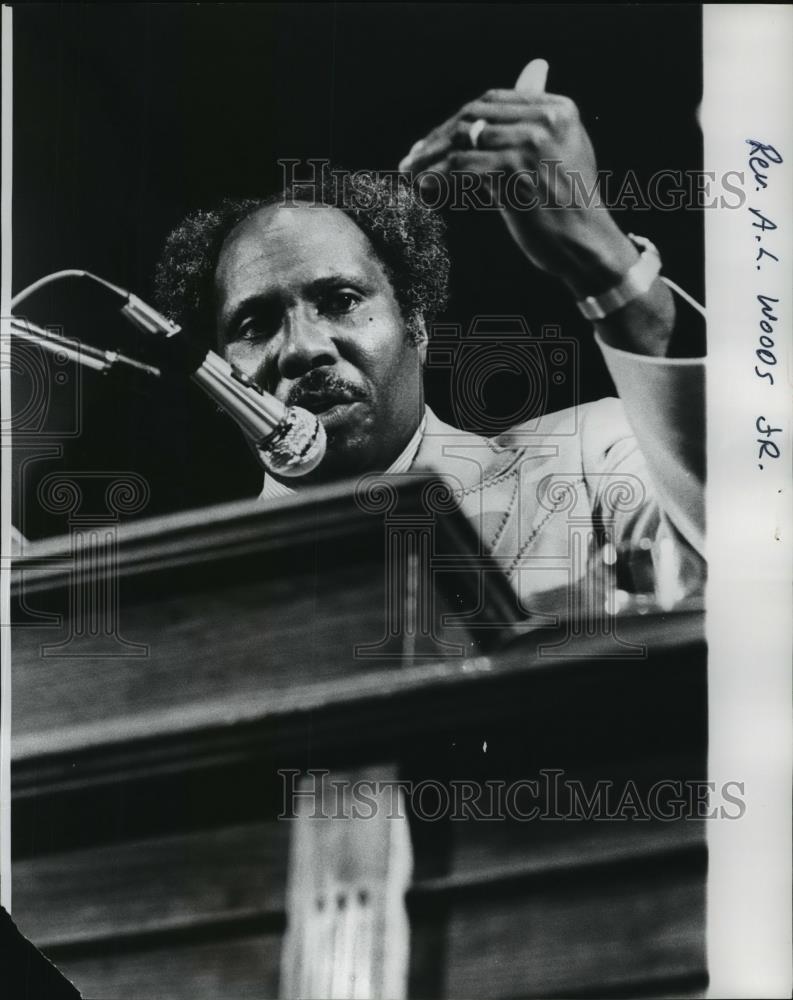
[273,489]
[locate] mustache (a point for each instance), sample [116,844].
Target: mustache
[323,386]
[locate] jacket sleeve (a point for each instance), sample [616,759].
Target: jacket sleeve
[664,401]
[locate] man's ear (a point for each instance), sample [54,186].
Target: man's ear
[421,341]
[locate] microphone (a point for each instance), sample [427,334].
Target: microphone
[288,440]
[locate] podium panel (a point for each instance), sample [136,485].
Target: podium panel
[345,635]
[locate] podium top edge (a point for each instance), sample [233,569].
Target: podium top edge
[310,501]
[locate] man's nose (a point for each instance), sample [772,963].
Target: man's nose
[307,344]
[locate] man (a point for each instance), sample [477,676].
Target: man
[326,297]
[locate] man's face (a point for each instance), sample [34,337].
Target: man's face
[304,307]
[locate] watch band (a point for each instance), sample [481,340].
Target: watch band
[637,280]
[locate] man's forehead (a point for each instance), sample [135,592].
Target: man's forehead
[294,236]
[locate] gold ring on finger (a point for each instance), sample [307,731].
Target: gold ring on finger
[475,131]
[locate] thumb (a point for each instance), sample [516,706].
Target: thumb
[531,82]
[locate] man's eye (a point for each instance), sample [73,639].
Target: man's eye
[251,329]
[339,303]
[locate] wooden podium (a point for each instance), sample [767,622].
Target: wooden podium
[177,683]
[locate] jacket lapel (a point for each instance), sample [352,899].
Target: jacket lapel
[495,483]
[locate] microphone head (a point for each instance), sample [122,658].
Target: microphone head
[296,446]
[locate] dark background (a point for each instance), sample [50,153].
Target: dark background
[129,116]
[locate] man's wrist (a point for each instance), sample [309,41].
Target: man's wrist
[599,262]
[644,325]
[636,282]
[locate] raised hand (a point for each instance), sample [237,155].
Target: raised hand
[534,145]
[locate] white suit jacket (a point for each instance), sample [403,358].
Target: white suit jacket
[613,487]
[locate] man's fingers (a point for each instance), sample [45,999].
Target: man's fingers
[498,94]
[514,110]
[531,81]
[507,136]
[497,106]
[425,151]
[493,139]
[454,132]
[474,160]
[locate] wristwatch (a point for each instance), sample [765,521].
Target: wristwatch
[637,280]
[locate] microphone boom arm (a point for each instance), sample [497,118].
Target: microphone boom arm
[77,351]
[289,441]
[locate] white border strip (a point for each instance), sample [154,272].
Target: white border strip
[748,88]
[5,464]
